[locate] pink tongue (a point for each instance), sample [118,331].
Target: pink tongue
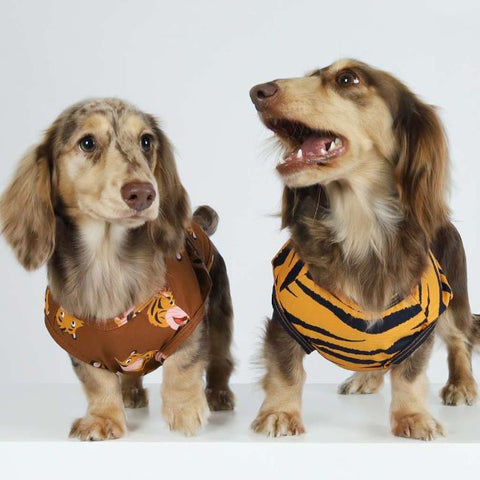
[313,145]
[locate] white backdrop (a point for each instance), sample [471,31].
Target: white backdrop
[192,64]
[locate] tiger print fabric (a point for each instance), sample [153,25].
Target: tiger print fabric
[139,340]
[339,330]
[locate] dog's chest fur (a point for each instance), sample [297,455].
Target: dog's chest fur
[370,253]
[99,270]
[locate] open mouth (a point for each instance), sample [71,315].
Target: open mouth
[309,147]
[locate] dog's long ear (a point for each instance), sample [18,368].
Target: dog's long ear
[168,230]
[422,168]
[26,212]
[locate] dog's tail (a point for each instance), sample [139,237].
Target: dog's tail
[476,328]
[207,218]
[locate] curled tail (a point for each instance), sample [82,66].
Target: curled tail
[476,328]
[207,218]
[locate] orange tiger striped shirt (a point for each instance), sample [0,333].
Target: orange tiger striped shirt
[338,329]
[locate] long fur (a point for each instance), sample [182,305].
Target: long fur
[26,211]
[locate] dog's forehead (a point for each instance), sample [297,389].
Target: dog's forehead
[135,122]
[102,116]
[337,66]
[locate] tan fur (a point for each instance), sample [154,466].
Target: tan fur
[105,418]
[409,412]
[105,277]
[281,410]
[30,231]
[362,383]
[461,386]
[185,406]
[365,220]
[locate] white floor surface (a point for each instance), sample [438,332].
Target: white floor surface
[347,436]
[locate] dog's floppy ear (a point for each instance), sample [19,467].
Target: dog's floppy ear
[26,213]
[422,167]
[168,230]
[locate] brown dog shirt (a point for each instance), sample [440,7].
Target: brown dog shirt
[139,340]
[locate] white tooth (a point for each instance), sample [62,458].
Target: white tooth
[299,153]
[332,146]
[323,151]
[338,141]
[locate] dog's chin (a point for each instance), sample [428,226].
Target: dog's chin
[303,178]
[301,175]
[132,222]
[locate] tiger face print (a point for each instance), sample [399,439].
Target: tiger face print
[68,323]
[162,312]
[136,362]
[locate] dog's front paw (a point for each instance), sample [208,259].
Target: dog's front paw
[220,399]
[94,427]
[186,418]
[459,394]
[278,424]
[134,397]
[361,383]
[421,426]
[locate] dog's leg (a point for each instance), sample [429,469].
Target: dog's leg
[363,383]
[133,393]
[455,326]
[220,327]
[461,387]
[105,418]
[409,412]
[280,413]
[185,406]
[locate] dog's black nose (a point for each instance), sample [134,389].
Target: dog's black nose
[138,195]
[260,94]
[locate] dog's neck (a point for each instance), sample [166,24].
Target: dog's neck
[100,269]
[363,217]
[357,240]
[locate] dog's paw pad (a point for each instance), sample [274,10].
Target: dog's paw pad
[421,426]
[220,399]
[278,424]
[93,427]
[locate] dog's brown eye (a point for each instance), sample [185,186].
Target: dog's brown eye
[347,78]
[146,142]
[88,144]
